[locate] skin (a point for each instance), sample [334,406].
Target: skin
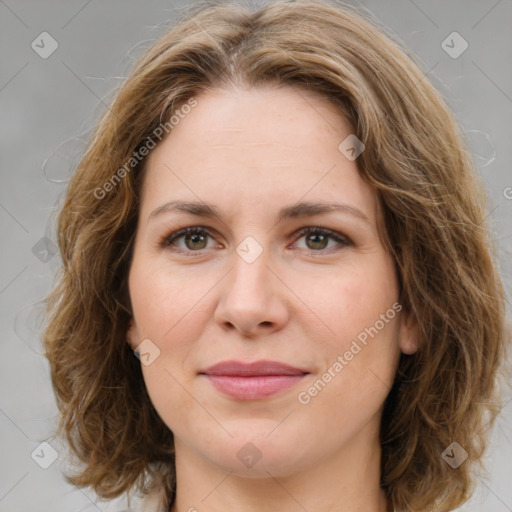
[302,302]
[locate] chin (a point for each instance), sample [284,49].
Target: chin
[258,454]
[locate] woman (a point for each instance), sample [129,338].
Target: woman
[279,218]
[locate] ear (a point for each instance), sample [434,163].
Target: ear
[132,334]
[408,336]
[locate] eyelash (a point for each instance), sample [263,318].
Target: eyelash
[168,241]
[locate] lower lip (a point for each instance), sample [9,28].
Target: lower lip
[253,388]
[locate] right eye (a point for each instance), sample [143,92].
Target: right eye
[194,239]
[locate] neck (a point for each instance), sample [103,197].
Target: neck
[346,481]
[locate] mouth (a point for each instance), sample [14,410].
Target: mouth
[253,381]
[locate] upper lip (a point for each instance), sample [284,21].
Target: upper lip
[263,367]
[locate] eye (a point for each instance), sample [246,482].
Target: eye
[195,239]
[317,239]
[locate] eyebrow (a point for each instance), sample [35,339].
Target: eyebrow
[304,209]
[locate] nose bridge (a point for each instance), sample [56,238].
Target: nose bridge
[250,277]
[251,296]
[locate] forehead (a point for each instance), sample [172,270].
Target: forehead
[256,148]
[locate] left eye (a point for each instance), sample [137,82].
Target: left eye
[317,239]
[195,239]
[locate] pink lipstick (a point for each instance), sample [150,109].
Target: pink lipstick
[253,381]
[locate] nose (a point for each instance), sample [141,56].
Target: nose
[252,299]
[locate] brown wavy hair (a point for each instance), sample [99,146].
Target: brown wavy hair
[434,207]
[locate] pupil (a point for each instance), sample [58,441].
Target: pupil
[322,239]
[194,238]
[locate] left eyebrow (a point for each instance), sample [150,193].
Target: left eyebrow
[304,209]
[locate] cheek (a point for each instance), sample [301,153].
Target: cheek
[351,299]
[167,308]
[170,396]
[165,299]
[170,308]
[360,308]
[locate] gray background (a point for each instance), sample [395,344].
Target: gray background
[48,105]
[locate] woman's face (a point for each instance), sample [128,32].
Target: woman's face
[255,282]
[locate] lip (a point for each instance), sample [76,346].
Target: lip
[253,381]
[253,369]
